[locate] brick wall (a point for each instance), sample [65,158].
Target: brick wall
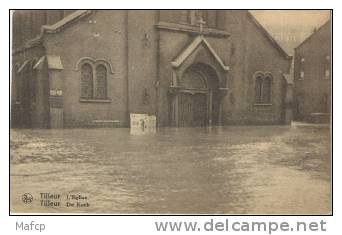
[315,85]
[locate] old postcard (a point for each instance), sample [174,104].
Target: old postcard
[171,112]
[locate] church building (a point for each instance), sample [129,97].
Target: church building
[79,68]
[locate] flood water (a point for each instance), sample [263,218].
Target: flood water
[230,170]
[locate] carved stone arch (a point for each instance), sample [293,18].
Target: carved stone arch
[258,74]
[205,67]
[194,79]
[206,70]
[199,51]
[94,62]
[211,65]
[269,75]
[196,101]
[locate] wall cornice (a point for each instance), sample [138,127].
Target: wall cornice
[192,29]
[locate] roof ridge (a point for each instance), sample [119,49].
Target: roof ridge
[269,36]
[313,33]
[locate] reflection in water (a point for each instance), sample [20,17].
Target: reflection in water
[273,169]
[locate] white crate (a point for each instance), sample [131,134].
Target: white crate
[143,123]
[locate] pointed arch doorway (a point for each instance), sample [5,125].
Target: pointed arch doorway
[196,102]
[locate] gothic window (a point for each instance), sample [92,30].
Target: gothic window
[266,89]
[101,82]
[93,79]
[263,88]
[87,81]
[258,89]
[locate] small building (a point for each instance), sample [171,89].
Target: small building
[312,77]
[187,67]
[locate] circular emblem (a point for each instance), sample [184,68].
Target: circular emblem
[27,198]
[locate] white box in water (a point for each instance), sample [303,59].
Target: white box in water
[143,123]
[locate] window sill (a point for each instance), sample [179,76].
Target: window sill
[90,100]
[262,105]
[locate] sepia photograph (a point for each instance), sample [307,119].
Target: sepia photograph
[171,112]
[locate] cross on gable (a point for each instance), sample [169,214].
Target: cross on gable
[201,22]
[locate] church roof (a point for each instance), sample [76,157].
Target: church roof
[66,20]
[192,47]
[269,36]
[75,16]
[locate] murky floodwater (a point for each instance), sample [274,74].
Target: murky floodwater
[244,170]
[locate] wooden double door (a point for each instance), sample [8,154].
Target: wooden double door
[193,109]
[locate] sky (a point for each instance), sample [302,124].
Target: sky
[291,27]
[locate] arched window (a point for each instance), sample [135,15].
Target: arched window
[87,81]
[263,88]
[94,79]
[266,89]
[101,82]
[258,88]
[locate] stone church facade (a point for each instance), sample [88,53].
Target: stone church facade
[187,67]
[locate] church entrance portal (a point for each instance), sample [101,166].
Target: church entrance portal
[192,109]
[195,102]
